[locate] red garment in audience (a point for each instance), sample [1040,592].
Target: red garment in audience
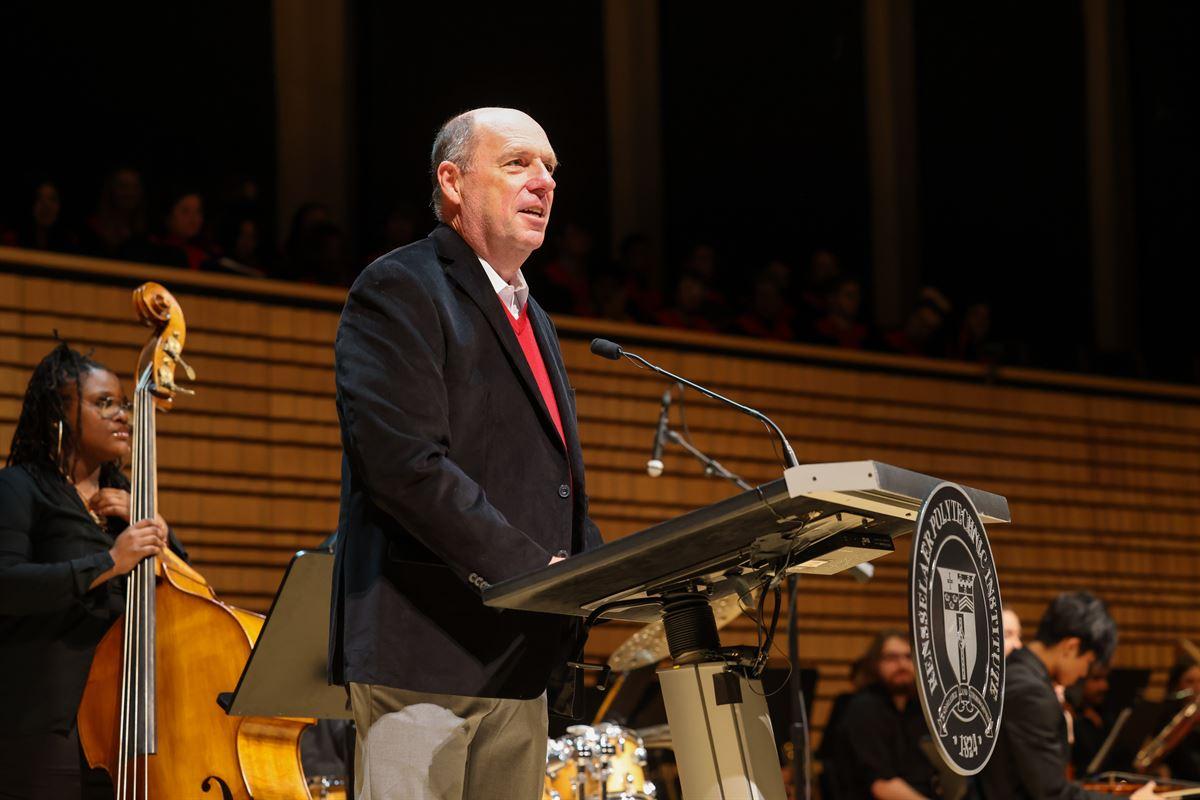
[574,286]
[853,337]
[752,324]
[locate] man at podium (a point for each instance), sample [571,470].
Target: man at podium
[462,468]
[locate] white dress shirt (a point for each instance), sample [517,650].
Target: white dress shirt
[513,295]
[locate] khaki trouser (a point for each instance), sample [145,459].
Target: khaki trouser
[417,746]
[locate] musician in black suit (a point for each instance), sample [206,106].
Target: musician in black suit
[1031,755]
[462,468]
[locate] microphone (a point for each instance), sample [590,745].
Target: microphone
[611,350]
[606,349]
[654,467]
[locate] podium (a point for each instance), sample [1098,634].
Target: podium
[818,519]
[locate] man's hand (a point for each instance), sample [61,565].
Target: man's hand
[1145,792]
[894,789]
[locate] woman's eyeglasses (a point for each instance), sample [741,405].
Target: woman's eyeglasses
[109,407]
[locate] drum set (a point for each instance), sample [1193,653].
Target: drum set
[606,762]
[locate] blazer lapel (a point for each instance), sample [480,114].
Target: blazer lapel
[465,270]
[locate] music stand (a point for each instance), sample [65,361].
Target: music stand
[286,674]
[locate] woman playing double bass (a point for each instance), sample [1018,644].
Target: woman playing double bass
[65,545]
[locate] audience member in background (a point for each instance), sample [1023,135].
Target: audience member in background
[877,753]
[769,316]
[702,262]
[398,229]
[781,271]
[610,296]
[1090,719]
[861,676]
[840,325]
[1184,760]
[319,255]
[242,248]
[690,311]
[1012,631]
[117,229]
[1032,753]
[307,216]
[41,227]
[181,243]
[823,271]
[639,269]
[974,341]
[920,334]
[564,284]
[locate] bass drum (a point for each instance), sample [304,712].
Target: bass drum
[577,765]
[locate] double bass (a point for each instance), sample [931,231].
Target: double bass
[149,714]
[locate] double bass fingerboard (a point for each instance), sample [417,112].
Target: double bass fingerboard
[138,735]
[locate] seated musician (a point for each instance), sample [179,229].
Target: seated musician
[1031,756]
[64,536]
[1012,631]
[1184,760]
[1091,721]
[877,749]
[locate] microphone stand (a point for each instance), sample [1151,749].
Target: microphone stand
[789,455]
[614,352]
[712,467]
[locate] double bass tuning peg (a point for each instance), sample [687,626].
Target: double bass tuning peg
[187,368]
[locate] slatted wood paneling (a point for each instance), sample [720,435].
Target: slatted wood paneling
[1101,474]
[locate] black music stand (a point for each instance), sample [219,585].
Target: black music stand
[817,519]
[286,674]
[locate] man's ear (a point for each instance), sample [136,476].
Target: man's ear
[1070,646]
[449,178]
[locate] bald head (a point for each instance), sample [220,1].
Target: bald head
[456,140]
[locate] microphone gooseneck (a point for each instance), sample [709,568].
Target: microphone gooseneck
[613,351]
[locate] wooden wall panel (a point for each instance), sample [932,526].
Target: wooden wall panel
[1102,475]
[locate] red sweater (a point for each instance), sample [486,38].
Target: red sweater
[533,355]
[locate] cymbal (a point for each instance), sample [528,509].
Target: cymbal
[649,645]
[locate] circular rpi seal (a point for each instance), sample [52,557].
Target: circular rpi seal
[957,629]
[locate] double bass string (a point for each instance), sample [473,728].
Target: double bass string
[127,691]
[135,684]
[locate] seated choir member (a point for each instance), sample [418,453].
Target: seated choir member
[1031,756]
[877,750]
[64,537]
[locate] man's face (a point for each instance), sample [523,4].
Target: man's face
[1012,632]
[1190,680]
[1073,665]
[507,191]
[896,670]
[1095,686]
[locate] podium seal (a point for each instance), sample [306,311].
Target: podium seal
[957,630]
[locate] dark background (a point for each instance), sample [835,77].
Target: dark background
[764,134]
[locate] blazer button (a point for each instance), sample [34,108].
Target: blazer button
[564,491]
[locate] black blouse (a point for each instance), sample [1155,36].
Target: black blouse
[50,622]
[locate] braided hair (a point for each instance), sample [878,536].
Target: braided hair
[37,444]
